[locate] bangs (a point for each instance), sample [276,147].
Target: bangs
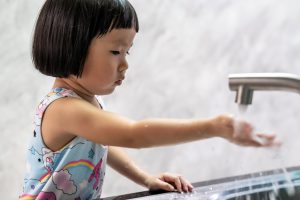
[120,14]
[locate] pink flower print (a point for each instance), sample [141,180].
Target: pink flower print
[41,107]
[49,160]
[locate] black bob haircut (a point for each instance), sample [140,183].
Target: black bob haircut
[65,28]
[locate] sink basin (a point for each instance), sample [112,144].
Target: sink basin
[282,193]
[277,186]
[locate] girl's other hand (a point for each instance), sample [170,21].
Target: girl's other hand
[241,132]
[169,182]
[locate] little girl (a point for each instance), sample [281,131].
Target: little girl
[84,44]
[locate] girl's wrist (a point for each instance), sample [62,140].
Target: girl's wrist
[144,179]
[147,181]
[222,126]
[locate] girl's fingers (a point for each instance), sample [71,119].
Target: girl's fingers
[173,179]
[179,182]
[160,183]
[259,140]
[184,184]
[269,136]
[187,186]
[263,139]
[190,187]
[166,186]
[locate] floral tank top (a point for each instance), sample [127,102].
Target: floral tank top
[74,172]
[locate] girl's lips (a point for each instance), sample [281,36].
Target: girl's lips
[119,82]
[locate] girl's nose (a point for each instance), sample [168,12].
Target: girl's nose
[123,66]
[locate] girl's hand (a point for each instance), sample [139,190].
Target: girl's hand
[241,132]
[169,182]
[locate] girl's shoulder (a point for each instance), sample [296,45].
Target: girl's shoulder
[51,115]
[64,118]
[54,94]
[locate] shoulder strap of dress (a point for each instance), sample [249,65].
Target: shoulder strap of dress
[101,102]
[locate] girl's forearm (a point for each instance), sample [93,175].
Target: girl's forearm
[122,163]
[158,132]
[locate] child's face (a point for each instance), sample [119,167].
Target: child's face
[106,64]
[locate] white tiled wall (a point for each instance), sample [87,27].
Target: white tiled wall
[178,68]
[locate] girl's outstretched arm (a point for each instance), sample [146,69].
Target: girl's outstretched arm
[122,163]
[72,116]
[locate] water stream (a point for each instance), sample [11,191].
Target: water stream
[278,152]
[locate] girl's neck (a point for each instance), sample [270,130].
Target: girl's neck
[70,84]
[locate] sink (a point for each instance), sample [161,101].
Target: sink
[261,192]
[280,194]
[279,184]
[282,185]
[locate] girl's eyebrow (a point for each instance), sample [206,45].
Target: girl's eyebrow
[122,43]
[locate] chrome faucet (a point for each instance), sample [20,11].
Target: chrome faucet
[245,84]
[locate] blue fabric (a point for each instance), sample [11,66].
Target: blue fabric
[74,172]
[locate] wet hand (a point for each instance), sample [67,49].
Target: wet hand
[241,132]
[169,182]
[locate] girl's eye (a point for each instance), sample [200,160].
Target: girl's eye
[115,52]
[118,52]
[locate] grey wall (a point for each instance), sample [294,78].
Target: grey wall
[178,68]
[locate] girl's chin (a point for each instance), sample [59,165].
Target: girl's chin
[106,91]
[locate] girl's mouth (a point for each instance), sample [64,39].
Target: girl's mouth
[119,82]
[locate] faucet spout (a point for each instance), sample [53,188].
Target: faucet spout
[245,84]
